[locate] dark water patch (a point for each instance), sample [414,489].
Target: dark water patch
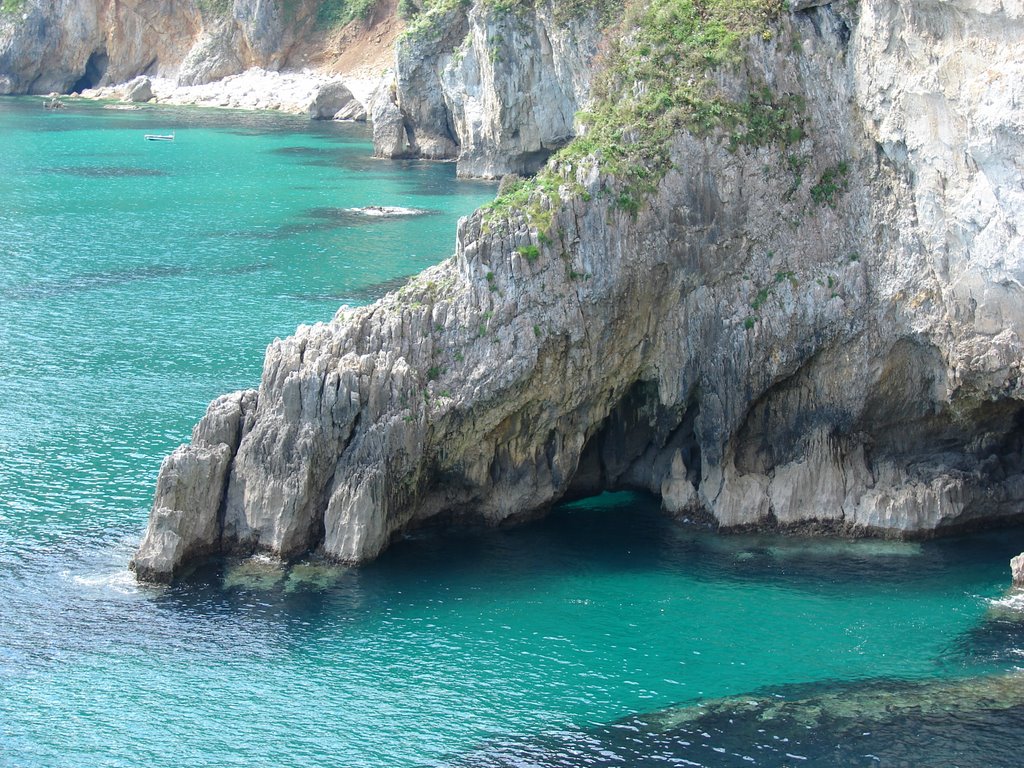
[968,722]
[305,151]
[107,171]
[998,639]
[48,288]
[247,269]
[363,295]
[286,231]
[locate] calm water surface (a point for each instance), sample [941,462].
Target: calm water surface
[140,280]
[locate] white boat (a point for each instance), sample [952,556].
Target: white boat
[159,136]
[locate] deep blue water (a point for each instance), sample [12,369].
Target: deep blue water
[140,280]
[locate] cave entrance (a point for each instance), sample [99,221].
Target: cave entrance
[636,444]
[95,69]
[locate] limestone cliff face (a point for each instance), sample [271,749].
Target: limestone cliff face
[70,45]
[496,90]
[831,342]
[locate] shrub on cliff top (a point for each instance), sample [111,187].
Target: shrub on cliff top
[658,80]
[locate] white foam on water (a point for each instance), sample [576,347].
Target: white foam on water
[1013,600]
[387,210]
[121,581]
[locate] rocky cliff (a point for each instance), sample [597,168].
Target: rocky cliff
[788,294]
[71,45]
[495,86]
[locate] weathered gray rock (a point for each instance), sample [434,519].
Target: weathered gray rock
[390,137]
[514,87]
[354,111]
[139,90]
[496,89]
[735,346]
[331,99]
[185,523]
[1017,570]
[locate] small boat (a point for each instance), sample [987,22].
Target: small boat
[159,136]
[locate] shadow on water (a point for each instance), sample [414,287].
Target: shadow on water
[47,289]
[44,289]
[106,172]
[364,295]
[625,533]
[967,722]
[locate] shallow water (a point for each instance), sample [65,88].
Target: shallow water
[140,280]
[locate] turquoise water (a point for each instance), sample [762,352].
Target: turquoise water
[140,280]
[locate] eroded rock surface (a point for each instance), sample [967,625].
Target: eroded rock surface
[497,90]
[744,345]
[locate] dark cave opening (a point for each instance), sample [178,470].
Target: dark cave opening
[95,69]
[635,445]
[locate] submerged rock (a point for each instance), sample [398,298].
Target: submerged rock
[969,721]
[753,348]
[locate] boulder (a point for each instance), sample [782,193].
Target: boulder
[331,99]
[1017,570]
[139,90]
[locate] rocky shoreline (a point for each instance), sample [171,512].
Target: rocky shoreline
[319,94]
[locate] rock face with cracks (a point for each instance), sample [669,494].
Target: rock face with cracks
[749,348]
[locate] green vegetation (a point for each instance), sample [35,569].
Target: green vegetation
[426,18]
[338,13]
[213,8]
[12,7]
[536,197]
[529,252]
[760,299]
[749,322]
[834,181]
[433,373]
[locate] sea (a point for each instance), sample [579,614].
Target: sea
[139,280]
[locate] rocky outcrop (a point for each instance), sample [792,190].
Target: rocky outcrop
[496,89]
[822,337]
[1017,570]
